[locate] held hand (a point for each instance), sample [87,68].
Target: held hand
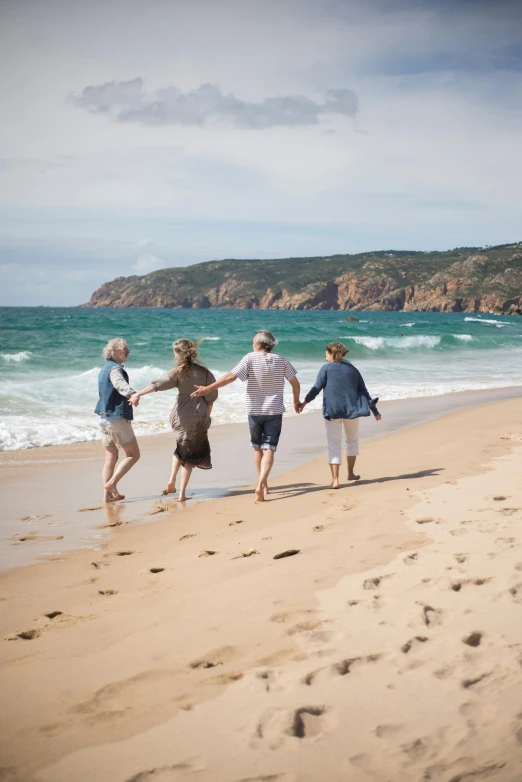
[378,416]
[134,400]
[200,391]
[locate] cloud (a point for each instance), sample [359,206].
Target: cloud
[147,261]
[127,101]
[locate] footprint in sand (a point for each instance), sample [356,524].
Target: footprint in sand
[456,586]
[286,616]
[388,731]
[107,591]
[516,592]
[374,583]
[431,616]
[27,635]
[467,683]
[188,535]
[341,668]
[303,723]
[225,678]
[168,773]
[419,639]
[461,558]
[215,657]
[473,639]
[53,614]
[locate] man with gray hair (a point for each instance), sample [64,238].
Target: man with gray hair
[115,410]
[265,373]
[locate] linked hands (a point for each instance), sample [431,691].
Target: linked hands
[134,400]
[299,406]
[200,391]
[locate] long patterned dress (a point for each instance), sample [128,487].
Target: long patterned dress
[190,418]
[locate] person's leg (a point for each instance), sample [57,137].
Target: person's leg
[334,469]
[269,442]
[267,462]
[171,487]
[186,472]
[111,459]
[351,433]
[334,440]
[256,432]
[132,454]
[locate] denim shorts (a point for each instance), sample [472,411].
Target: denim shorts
[265,431]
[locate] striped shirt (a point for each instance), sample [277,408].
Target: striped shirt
[265,375]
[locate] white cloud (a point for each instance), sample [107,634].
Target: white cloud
[147,261]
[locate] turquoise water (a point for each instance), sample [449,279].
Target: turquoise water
[50,358]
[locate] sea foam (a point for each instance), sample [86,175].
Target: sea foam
[23,355]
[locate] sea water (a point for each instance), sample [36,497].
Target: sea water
[50,359]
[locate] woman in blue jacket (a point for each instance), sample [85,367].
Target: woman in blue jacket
[345,400]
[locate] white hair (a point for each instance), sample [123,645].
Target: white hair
[266,339]
[113,344]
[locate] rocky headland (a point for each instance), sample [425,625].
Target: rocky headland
[467,279]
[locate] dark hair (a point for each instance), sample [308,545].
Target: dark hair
[337,350]
[185,353]
[266,339]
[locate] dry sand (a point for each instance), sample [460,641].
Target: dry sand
[388,649]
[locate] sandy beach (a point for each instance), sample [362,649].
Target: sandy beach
[388,648]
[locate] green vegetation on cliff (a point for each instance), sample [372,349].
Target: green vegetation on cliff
[465,279]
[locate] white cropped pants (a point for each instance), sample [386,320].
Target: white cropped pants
[334,436]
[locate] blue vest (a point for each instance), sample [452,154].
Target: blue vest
[111,402]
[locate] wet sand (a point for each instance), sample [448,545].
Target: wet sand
[388,648]
[43,489]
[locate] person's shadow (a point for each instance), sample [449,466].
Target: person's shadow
[296,489]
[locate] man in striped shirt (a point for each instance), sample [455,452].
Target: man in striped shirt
[265,374]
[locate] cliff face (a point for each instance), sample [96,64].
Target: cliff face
[462,280]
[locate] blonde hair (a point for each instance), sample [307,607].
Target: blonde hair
[185,353]
[118,343]
[337,350]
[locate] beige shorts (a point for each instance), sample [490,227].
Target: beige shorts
[120,433]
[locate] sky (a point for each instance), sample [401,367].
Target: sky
[141,134]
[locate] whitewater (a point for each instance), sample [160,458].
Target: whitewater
[50,359]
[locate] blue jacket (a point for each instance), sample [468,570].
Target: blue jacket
[344,392]
[111,402]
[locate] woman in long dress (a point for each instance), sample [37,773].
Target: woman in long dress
[190,418]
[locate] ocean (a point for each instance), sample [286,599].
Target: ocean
[50,358]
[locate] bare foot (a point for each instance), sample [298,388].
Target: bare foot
[334,484]
[260,494]
[171,489]
[265,491]
[111,494]
[353,477]
[183,498]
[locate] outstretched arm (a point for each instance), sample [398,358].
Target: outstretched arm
[135,398]
[164,383]
[223,381]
